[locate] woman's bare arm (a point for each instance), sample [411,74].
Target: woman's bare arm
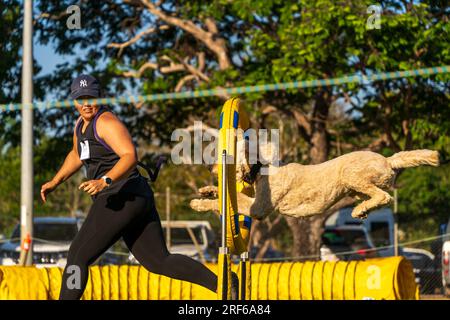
[71,164]
[116,135]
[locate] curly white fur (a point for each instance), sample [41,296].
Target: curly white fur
[304,190]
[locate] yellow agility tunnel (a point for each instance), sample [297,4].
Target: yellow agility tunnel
[384,278]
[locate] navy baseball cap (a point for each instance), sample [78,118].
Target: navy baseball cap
[85,85]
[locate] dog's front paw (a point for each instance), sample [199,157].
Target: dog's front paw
[208,192]
[205,205]
[197,205]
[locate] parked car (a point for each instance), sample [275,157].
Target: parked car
[52,237]
[427,274]
[195,239]
[346,243]
[379,225]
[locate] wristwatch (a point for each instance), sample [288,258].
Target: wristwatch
[108,180]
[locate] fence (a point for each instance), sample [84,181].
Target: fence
[354,78]
[424,255]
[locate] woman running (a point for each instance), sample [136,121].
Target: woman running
[123,201]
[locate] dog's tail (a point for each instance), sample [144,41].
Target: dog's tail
[415,158]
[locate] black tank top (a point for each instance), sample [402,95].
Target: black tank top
[98,158]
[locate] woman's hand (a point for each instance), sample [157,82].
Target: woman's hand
[93,186]
[47,188]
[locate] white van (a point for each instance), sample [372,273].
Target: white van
[192,238]
[379,224]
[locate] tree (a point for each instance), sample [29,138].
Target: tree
[170,46]
[322,39]
[10,44]
[423,201]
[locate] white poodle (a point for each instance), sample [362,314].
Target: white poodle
[304,190]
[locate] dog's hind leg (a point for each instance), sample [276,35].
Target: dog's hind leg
[358,196]
[377,198]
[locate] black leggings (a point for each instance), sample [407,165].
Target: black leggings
[136,220]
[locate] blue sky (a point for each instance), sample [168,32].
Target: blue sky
[47,58]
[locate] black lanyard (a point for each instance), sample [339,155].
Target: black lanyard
[153,174]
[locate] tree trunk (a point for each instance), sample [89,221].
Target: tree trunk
[319,136]
[262,233]
[307,232]
[300,230]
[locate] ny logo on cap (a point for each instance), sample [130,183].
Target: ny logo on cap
[83,83]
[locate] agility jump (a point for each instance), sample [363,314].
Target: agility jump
[235,226]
